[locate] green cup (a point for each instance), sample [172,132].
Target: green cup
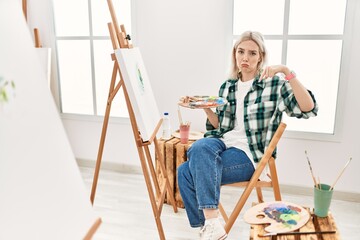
[322,200]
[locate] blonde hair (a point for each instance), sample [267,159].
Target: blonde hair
[259,40]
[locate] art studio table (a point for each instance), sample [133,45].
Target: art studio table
[314,224]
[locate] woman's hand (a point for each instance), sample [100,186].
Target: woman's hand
[187,99]
[209,113]
[270,71]
[301,94]
[184,99]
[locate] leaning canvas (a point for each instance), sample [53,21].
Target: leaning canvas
[42,193]
[139,89]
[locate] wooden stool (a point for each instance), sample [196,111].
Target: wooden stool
[174,154]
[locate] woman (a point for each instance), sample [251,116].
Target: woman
[239,132]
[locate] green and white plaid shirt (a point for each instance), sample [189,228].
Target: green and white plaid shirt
[263,107]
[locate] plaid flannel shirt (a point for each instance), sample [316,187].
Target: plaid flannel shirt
[263,107]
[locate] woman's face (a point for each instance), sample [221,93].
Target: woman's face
[248,57]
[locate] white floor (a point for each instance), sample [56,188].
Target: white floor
[123,204]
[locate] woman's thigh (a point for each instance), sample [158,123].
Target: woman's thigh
[237,167]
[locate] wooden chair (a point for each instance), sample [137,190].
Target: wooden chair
[255,182]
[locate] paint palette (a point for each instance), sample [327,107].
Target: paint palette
[282,216]
[200,102]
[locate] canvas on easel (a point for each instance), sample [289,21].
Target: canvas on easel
[144,117]
[139,89]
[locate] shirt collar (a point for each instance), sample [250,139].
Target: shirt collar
[257,83]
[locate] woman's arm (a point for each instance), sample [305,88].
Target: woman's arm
[213,118]
[301,94]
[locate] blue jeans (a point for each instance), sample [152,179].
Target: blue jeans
[210,164]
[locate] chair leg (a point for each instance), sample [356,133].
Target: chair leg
[245,195]
[223,213]
[259,195]
[274,179]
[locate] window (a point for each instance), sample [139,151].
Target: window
[83,52]
[308,37]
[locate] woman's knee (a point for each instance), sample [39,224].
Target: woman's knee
[205,144]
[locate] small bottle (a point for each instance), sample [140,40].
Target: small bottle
[166,126]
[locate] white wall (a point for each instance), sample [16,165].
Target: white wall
[185,46]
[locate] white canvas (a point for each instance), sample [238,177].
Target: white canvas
[42,193]
[45,60]
[139,89]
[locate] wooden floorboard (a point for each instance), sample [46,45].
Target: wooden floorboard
[123,204]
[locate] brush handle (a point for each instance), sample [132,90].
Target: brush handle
[332,186]
[295,233]
[180,117]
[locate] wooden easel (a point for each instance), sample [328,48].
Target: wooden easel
[36,31]
[24,8]
[37,38]
[120,39]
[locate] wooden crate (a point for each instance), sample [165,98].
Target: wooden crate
[314,224]
[174,153]
[181,156]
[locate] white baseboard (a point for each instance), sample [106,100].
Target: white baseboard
[125,168]
[288,189]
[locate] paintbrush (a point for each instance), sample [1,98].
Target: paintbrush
[312,174]
[342,171]
[294,233]
[179,115]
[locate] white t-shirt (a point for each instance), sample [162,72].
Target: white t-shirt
[237,137]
